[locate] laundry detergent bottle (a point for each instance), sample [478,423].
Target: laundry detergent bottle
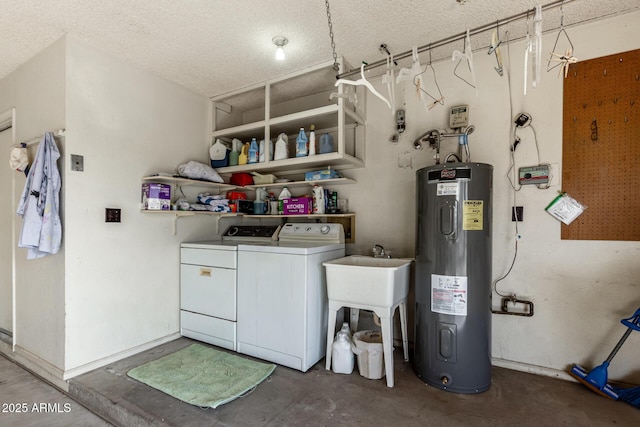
[284,194]
[301,144]
[253,151]
[342,359]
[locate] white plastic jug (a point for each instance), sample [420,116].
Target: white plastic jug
[342,359]
[282,149]
[318,200]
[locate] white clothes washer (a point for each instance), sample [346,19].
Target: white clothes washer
[282,294]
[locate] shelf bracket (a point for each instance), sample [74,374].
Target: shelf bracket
[177,215]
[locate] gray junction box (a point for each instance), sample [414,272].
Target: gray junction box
[453,277]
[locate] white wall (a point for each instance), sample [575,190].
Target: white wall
[122,282]
[581,289]
[36,90]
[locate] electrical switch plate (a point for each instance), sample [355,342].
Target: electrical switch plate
[459,116]
[77,162]
[517,212]
[112,215]
[400,123]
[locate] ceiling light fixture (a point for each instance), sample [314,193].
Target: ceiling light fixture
[280,43]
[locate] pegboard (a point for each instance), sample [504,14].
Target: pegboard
[601,147]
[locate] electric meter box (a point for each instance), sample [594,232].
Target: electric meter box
[534,174]
[459,116]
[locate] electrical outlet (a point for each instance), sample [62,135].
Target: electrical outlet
[517,212]
[77,162]
[112,215]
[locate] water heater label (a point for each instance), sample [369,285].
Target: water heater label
[449,294]
[447,189]
[472,215]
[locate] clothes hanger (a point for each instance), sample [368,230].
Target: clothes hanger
[419,84]
[362,81]
[528,46]
[536,49]
[566,59]
[468,55]
[410,73]
[389,79]
[495,49]
[349,94]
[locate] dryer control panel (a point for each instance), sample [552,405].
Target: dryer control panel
[313,232]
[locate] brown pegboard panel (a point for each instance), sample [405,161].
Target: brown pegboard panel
[601,147]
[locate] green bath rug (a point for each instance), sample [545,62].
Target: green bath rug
[202,376]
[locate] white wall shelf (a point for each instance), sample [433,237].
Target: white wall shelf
[293,184]
[286,104]
[186,181]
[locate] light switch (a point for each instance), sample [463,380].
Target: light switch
[112,215]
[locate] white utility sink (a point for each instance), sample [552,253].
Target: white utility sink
[364,280]
[377,284]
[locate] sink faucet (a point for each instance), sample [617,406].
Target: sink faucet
[378,251]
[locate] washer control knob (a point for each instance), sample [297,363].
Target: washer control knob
[233,231]
[325,229]
[309,228]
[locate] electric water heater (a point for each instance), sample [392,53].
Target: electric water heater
[453,277]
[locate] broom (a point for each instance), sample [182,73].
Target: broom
[596,379]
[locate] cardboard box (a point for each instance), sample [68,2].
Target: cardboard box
[156,196]
[297,206]
[322,174]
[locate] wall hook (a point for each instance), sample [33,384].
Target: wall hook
[615,100]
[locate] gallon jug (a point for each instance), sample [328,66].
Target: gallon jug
[263,151]
[284,194]
[342,359]
[236,147]
[253,151]
[326,144]
[244,154]
[282,149]
[318,200]
[219,155]
[301,144]
[312,141]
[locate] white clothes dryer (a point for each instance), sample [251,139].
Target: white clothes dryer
[282,294]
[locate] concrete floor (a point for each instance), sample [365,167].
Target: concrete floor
[322,398]
[28,401]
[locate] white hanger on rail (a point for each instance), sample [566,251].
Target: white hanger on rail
[468,56]
[364,82]
[389,79]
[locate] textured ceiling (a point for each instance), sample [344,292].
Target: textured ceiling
[215,46]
